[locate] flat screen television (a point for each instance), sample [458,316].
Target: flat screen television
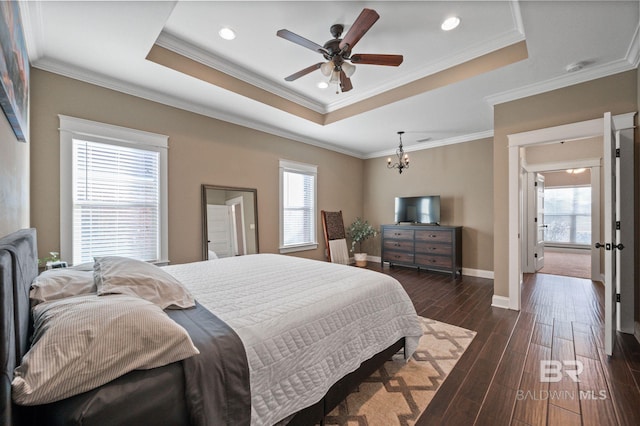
[425,210]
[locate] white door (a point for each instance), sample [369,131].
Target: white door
[219,230]
[539,223]
[609,244]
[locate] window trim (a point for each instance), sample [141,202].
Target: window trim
[72,127]
[308,169]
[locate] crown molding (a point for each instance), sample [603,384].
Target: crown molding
[516,14]
[180,46]
[33,28]
[434,144]
[556,83]
[151,95]
[633,53]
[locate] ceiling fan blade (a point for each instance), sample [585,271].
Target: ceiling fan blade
[295,38]
[305,71]
[365,20]
[373,59]
[345,82]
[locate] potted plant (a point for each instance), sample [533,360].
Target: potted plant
[359,231]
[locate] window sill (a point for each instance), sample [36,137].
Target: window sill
[301,247]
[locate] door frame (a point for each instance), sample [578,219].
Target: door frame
[593,164]
[517,142]
[238,201]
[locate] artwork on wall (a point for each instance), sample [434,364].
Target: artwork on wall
[14,70]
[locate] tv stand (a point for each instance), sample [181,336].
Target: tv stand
[432,247]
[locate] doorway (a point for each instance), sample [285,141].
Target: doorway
[567,232]
[567,215]
[576,131]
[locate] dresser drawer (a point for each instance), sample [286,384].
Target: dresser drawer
[432,235]
[398,256]
[398,234]
[426,247]
[434,261]
[398,245]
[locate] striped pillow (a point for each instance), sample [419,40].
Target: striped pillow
[83,342]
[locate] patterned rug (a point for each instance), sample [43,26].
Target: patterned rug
[400,391]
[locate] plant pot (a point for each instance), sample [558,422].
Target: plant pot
[361,259]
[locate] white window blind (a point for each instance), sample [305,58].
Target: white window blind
[298,206]
[567,214]
[116,202]
[113,192]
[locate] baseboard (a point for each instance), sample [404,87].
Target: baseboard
[636,331]
[500,302]
[480,273]
[373,258]
[568,250]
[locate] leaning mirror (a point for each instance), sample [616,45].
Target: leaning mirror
[229,221]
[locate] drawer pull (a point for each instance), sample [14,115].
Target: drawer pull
[433,236]
[397,244]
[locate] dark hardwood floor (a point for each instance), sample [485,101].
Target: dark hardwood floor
[497,380]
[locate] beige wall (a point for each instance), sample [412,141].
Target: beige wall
[14,180]
[561,178]
[201,150]
[617,94]
[461,174]
[583,149]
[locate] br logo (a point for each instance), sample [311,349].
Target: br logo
[552,371]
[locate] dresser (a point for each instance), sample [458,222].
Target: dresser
[437,248]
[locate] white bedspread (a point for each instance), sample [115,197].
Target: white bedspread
[304,324]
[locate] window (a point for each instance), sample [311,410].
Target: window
[113,195]
[297,206]
[567,214]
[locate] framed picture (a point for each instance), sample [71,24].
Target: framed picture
[14,70]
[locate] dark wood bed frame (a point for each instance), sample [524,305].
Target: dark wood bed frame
[18,268]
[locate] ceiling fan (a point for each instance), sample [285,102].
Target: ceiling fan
[337,51]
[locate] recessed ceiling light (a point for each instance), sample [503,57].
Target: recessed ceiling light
[323,85]
[227,33]
[450,23]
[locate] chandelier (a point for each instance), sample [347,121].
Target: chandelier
[403,159]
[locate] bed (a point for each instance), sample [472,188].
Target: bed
[258,299]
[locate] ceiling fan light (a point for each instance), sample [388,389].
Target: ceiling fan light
[450,23]
[348,69]
[323,85]
[335,77]
[327,68]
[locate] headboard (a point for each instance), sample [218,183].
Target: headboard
[18,268]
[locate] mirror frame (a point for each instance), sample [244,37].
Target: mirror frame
[205,228]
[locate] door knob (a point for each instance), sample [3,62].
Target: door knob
[598,245]
[619,246]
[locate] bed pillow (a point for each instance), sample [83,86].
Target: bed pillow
[83,342]
[60,283]
[121,275]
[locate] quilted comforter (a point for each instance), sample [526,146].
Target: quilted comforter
[304,324]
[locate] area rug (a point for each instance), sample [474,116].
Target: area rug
[400,391]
